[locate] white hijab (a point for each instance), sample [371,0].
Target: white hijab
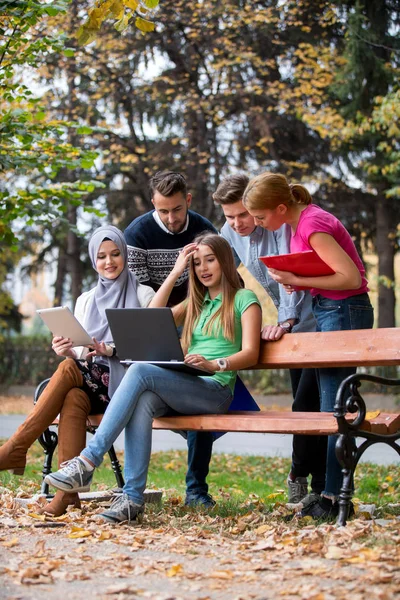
[110,293]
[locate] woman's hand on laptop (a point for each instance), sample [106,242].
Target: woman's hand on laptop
[62,346]
[196,360]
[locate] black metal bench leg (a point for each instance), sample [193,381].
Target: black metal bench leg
[48,440]
[116,467]
[345,453]
[345,496]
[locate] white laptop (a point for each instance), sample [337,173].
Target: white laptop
[148,335]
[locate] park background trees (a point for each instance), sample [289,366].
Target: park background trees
[309,89]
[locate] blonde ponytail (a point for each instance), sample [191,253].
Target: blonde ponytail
[268,190]
[300,194]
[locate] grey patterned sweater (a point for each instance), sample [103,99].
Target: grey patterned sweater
[152,252]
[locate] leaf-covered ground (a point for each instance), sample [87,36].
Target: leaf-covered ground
[248,547]
[243,551]
[189,554]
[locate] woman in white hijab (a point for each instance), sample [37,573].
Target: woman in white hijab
[79,386]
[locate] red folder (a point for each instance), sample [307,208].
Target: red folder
[304,264]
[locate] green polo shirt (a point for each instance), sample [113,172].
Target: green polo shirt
[216,346]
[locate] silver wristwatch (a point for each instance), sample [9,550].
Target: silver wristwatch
[222,363]
[286,326]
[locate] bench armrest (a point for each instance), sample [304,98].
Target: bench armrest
[349,399]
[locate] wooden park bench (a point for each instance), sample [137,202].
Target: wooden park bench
[350,420]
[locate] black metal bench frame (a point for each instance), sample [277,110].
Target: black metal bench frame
[349,400]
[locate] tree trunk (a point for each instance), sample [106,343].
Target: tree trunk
[60,278]
[74,257]
[73,242]
[386,252]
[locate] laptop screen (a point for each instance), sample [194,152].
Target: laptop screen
[144,334]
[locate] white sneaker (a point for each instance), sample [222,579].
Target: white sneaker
[123,509]
[74,476]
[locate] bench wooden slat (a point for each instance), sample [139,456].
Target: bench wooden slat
[390,421]
[311,423]
[245,422]
[264,422]
[274,422]
[362,347]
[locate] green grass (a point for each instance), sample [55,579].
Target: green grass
[235,481]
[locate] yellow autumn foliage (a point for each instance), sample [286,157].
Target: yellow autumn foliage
[121,11]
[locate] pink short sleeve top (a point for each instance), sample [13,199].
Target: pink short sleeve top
[314,219]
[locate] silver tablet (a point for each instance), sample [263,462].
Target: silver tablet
[62,322]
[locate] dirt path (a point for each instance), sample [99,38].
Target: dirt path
[196,556]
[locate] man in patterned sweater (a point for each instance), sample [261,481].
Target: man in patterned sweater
[155,238]
[154,241]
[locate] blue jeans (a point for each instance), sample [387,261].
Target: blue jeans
[146,392]
[200,444]
[355,312]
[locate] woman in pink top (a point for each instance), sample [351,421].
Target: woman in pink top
[340,300]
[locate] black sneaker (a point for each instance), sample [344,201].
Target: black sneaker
[311,498]
[201,500]
[323,509]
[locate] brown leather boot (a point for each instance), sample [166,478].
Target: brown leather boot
[13,452]
[58,506]
[71,441]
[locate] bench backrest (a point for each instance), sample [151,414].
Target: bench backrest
[362,347]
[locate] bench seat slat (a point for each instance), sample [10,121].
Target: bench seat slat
[274,422]
[311,423]
[256,422]
[362,347]
[390,421]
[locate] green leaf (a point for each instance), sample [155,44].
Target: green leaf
[83,129]
[50,10]
[69,52]
[86,163]
[151,3]
[86,36]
